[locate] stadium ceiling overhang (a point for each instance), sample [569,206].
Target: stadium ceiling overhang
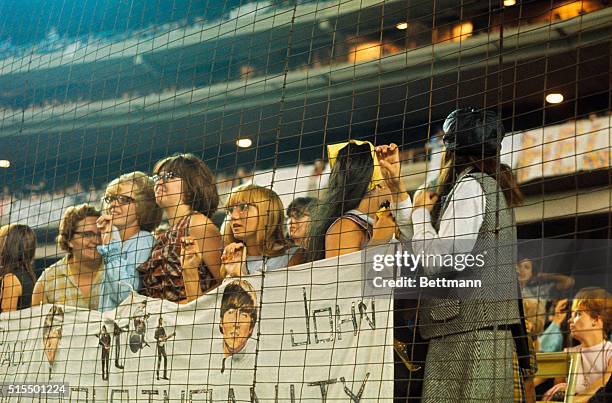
[305,103]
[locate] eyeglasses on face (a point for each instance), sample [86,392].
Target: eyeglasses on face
[164,176]
[121,199]
[87,234]
[241,208]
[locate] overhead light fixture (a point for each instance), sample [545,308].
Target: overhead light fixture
[324,25]
[554,98]
[462,31]
[5,163]
[509,3]
[244,142]
[402,25]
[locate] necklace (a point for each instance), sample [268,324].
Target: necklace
[586,383]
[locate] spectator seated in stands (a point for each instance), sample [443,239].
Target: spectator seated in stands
[590,324]
[186,259]
[552,339]
[362,180]
[253,233]
[543,286]
[543,289]
[17,250]
[76,278]
[130,216]
[534,320]
[299,215]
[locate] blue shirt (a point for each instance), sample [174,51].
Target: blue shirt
[552,339]
[121,260]
[255,264]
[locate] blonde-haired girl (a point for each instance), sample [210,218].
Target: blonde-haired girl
[253,233]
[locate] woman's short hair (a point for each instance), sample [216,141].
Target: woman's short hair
[17,249]
[148,213]
[200,190]
[69,221]
[597,302]
[239,294]
[301,205]
[270,218]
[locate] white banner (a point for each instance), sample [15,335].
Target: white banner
[290,335]
[581,145]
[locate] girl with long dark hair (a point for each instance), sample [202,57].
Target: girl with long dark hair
[363,178]
[17,249]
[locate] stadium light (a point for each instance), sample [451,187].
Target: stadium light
[5,163]
[509,3]
[402,25]
[554,98]
[244,143]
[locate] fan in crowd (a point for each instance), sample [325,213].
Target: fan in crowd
[253,233]
[75,279]
[363,178]
[471,212]
[540,285]
[555,336]
[17,249]
[131,214]
[590,323]
[185,260]
[299,217]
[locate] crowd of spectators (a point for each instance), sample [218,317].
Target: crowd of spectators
[347,48]
[55,42]
[37,206]
[119,247]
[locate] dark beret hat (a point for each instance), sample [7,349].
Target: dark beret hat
[475,132]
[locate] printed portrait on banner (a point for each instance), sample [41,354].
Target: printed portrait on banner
[52,336]
[238,318]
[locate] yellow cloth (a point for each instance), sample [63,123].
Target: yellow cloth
[334,149]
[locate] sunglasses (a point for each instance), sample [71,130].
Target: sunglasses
[242,208]
[164,176]
[121,199]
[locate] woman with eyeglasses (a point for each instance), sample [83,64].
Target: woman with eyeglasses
[77,277]
[186,259]
[130,215]
[17,249]
[253,233]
